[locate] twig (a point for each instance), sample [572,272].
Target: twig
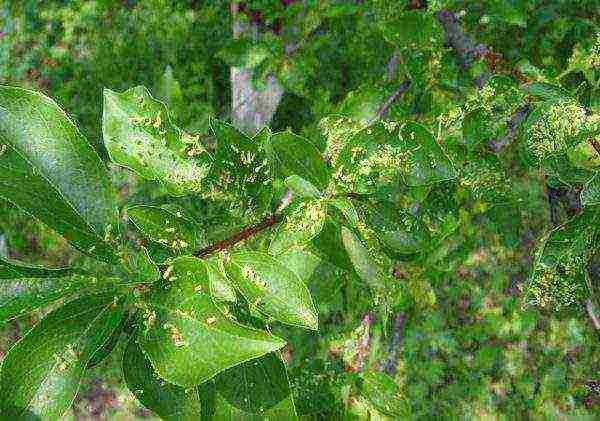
[465,47]
[396,341]
[249,231]
[383,109]
[245,234]
[512,130]
[589,306]
[364,343]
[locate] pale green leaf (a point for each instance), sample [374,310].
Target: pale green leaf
[48,169]
[169,402]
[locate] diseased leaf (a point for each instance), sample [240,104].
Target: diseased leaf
[166,400]
[139,135]
[259,387]
[590,195]
[166,228]
[187,339]
[345,206]
[42,372]
[272,288]
[559,271]
[48,169]
[546,91]
[330,246]
[241,171]
[402,233]
[300,226]
[296,155]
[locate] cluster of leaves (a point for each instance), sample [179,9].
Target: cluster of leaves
[240,236]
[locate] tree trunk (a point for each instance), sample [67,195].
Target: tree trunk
[252,108]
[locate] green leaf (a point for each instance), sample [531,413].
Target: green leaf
[187,339]
[241,171]
[273,289]
[139,135]
[345,206]
[330,246]
[364,264]
[381,390]
[546,91]
[258,387]
[302,188]
[166,400]
[477,127]
[590,195]
[412,29]
[296,155]
[42,372]
[300,227]
[48,169]
[27,288]
[428,163]
[168,229]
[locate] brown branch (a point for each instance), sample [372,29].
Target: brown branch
[243,235]
[383,109]
[390,365]
[589,306]
[512,130]
[463,45]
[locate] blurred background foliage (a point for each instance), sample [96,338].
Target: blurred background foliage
[471,347]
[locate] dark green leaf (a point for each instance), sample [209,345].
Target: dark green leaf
[244,53]
[166,400]
[186,337]
[258,387]
[48,169]
[139,135]
[296,155]
[41,373]
[273,288]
